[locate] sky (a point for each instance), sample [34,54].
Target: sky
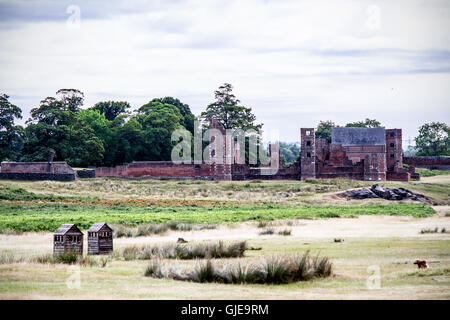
[294,63]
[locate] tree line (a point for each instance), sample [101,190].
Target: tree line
[109,133]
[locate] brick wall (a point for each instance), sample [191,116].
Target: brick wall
[36,167]
[156,169]
[442,163]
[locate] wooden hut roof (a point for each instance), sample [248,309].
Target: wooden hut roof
[66,227]
[97,226]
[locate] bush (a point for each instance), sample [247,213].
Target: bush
[67,257]
[186,251]
[267,231]
[148,229]
[273,270]
[285,232]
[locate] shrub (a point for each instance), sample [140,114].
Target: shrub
[285,232]
[262,224]
[154,270]
[275,270]
[435,230]
[70,257]
[186,251]
[267,231]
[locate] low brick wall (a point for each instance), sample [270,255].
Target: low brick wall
[37,167]
[156,169]
[442,163]
[398,176]
[37,176]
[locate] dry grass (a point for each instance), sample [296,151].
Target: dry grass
[274,270]
[186,251]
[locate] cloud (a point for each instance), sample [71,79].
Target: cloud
[292,60]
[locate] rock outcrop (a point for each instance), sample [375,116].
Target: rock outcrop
[377,191]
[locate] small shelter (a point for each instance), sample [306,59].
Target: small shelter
[68,238]
[100,239]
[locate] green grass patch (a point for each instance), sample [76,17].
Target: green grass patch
[43,217]
[431,173]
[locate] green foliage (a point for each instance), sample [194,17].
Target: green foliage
[70,257]
[431,173]
[323,130]
[10,135]
[274,270]
[290,153]
[111,109]
[228,113]
[433,140]
[210,250]
[40,217]
[54,125]
[19,194]
[324,127]
[368,123]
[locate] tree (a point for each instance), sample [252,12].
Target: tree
[54,125]
[228,112]
[111,109]
[188,117]
[433,140]
[71,99]
[158,121]
[324,130]
[368,123]
[289,153]
[10,134]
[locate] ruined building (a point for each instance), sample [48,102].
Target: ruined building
[373,154]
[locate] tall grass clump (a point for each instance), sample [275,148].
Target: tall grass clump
[268,231]
[285,232]
[274,270]
[147,229]
[67,257]
[186,251]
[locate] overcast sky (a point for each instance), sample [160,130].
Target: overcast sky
[293,62]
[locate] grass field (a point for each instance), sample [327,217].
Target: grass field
[379,237]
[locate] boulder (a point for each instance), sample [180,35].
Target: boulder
[363,193]
[377,191]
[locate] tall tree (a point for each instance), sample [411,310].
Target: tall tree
[10,134]
[433,140]
[158,121]
[188,116]
[71,99]
[54,125]
[111,109]
[228,112]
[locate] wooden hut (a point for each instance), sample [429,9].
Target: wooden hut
[68,238]
[100,239]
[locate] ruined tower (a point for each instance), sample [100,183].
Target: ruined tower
[308,153]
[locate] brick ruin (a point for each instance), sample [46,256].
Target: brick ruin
[373,154]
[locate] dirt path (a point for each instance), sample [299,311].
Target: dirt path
[361,227]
